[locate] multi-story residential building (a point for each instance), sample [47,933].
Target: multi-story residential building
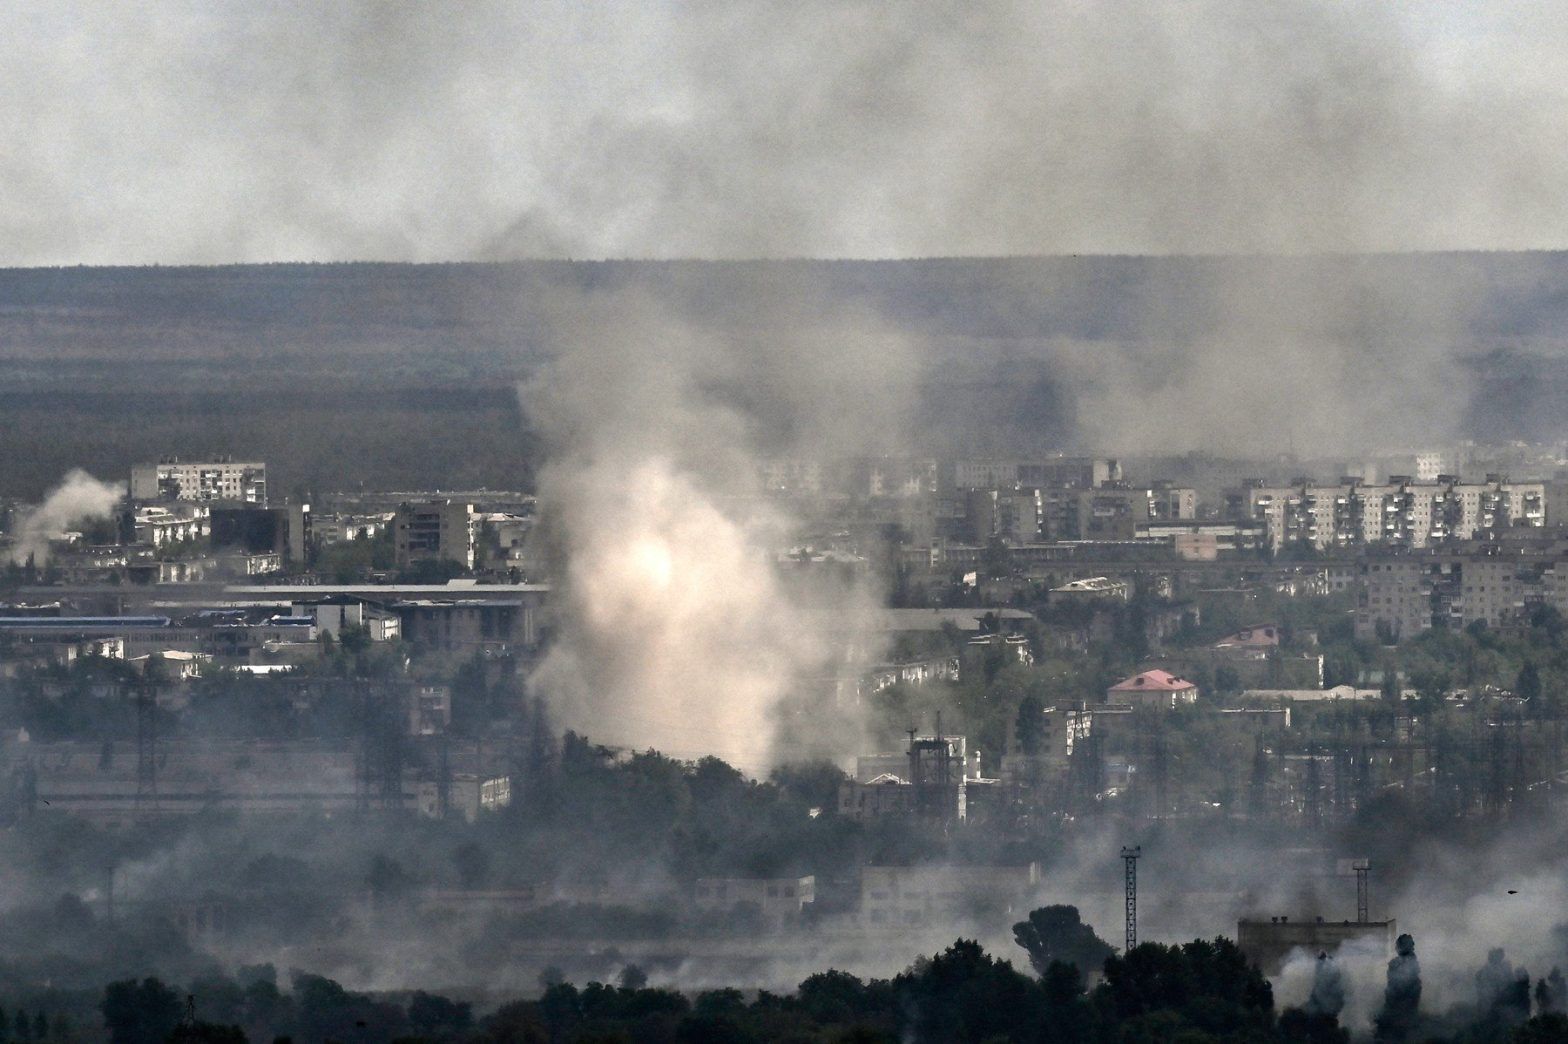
[218,479]
[1060,730]
[1011,515]
[1062,472]
[436,530]
[1401,513]
[1493,583]
[1168,503]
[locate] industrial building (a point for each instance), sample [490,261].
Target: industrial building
[1269,944]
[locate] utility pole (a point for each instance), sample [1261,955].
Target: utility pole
[1130,860]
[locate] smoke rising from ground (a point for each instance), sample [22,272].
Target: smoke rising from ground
[78,498]
[676,630]
[408,132]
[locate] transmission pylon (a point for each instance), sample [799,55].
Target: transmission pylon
[1130,860]
[1362,867]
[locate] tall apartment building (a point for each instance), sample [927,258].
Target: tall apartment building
[206,480]
[436,530]
[1400,513]
[1492,583]
[1066,472]
[1013,515]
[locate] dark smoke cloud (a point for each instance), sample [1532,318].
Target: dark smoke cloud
[196,133]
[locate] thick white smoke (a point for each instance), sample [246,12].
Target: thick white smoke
[675,629]
[78,498]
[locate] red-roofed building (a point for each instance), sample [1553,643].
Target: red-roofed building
[1157,689]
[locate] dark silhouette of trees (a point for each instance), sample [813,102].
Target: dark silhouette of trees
[137,1013]
[1056,934]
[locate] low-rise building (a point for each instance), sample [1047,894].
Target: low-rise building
[157,525]
[778,899]
[1090,589]
[1157,689]
[1269,944]
[336,612]
[916,896]
[1250,642]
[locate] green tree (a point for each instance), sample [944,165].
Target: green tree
[1029,728]
[1527,685]
[1055,934]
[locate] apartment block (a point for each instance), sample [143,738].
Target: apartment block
[436,530]
[205,480]
[1400,513]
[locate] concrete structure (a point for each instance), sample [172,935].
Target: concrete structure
[1494,583]
[430,712]
[1061,730]
[436,531]
[1401,513]
[334,613]
[1256,641]
[921,621]
[886,795]
[462,798]
[778,899]
[159,526]
[1154,689]
[913,672]
[284,530]
[220,479]
[467,625]
[1338,692]
[1090,589]
[1065,472]
[916,896]
[334,529]
[1269,944]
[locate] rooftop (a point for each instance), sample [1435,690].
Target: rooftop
[1153,681]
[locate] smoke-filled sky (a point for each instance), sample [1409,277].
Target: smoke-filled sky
[224,131]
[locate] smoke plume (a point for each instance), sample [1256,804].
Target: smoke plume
[675,630]
[412,132]
[78,498]
[1328,988]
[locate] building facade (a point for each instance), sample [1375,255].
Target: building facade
[206,480]
[436,531]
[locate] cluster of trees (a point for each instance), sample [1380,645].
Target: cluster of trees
[251,1006]
[1204,990]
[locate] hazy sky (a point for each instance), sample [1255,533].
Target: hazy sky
[208,132]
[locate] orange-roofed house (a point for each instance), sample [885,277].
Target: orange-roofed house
[1157,689]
